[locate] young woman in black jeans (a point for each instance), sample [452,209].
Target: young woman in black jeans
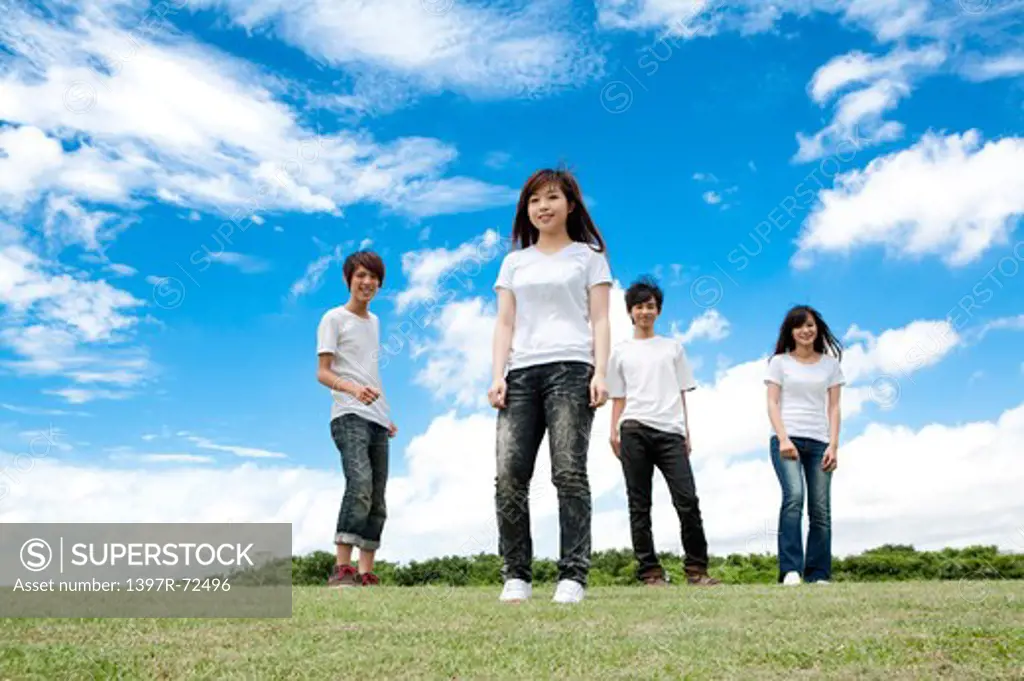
[550,357]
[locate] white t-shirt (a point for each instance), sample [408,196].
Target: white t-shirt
[355,343]
[651,374]
[804,396]
[552,295]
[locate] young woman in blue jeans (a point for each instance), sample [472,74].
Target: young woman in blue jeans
[804,379]
[550,359]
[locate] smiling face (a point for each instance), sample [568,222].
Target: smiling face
[645,314]
[364,284]
[804,334]
[549,209]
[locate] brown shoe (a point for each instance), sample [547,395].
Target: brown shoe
[344,575]
[369,579]
[654,577]
[702,579]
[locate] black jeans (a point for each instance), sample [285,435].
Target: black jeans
[554,397]
[363,446]
[641,449]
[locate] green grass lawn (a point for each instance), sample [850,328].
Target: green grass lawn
[896,630]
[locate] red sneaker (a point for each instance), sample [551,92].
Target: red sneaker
[369,579]
[344,575]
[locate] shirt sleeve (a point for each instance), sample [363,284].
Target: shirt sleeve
[504,279]
[616,382]
[598,270]
[684,374]
[837,377]
[327,334]
[774,373]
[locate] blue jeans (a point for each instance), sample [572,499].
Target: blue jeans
[363,446]
[791,474]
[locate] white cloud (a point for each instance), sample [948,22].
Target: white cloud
[711,325]
[92,309]
[248,452]
[122,270]
[497,159]
[425,269]
[898,352]
[950,196]
[314,274]
[711,197]
[60,323]
[162,458]
[1003,66]
[858,113]
[37,411]
[397,48]
[888,21]
[249,264]
[1014,323]
[83,395]
[458,365]
[175,120]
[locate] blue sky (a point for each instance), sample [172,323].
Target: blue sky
[865,160]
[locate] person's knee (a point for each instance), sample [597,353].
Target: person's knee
[792,500]
[818,512]
[685,502]
[510,482]
[570,481]
[360,490]
[639,504]
[378,506]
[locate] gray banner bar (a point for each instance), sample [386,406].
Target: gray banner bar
[146,570]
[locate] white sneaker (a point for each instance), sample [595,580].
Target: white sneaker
[568,591]
[822,581]
[792,579]
[516,590]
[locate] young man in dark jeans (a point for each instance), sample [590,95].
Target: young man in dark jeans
[648,378]
[348,345]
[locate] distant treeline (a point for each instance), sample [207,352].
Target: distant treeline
[616,567]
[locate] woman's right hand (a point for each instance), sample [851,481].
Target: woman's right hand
[496,393]
[787,450]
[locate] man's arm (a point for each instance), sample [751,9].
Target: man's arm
[686,420]
[325,376]
[618,405]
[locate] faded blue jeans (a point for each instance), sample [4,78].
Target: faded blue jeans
[363,446]
[792,474]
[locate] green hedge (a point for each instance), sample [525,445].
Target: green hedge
[616,567]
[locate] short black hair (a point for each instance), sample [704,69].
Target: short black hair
[642,290]
[367,259]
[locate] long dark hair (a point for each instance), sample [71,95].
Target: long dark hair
[824,342]
[578,224]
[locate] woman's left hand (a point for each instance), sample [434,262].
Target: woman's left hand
[831,459]
[598,391]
